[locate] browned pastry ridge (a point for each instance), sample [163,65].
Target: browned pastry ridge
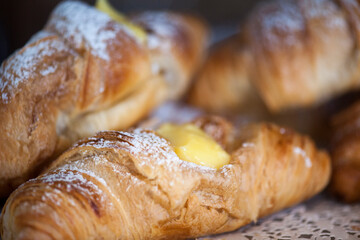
[345,182]
[291,53]
[132,185]
[84,73]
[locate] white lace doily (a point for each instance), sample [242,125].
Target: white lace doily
[318,218]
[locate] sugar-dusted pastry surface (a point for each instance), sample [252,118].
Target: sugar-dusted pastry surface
[290,53]
[83,73]
[135,180]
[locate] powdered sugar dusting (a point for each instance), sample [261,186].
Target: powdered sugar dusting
[47,71]
[150,145]
[280,24]
[40,35]
[23,64]
[284,22]
[303,154]
[248,144]
[154,158]
[159,23]
[4,97]
[73,176]
[84,25]
[326,10]
[149,148]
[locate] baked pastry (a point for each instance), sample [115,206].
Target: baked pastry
[293,53]
[223,85]
[345,180]
[133,185]
[84,73]
[177,45]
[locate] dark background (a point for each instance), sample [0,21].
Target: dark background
[20,19]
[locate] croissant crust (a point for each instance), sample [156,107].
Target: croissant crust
[132,185]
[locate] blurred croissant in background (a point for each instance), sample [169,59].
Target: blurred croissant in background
[291,63]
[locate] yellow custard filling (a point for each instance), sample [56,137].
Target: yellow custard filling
[104,6]
[193,145]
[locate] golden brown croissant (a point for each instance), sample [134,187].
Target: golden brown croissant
[132,185]
[85,73]
[294,53]
[345,182]
[223,83]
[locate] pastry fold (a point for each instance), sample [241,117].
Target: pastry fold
[132,185]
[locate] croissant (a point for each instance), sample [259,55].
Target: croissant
[132,185]
[345,180]
[84,73]
[222,85]
[291,53]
